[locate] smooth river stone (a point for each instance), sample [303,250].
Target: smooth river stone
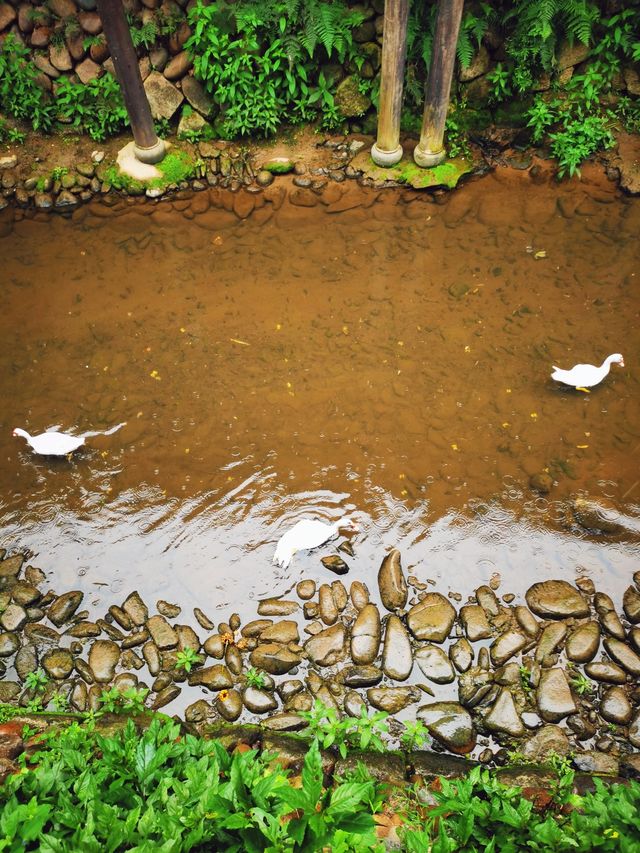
[582,644]
[229,705]
[461,654]
[327,605]
[360,676]
[634,731]
[504,716]
[26,661]
[339,595]
[162,633]
[432,618]
[474,686]
[615,707]
[487,599]
[594,762]
[506,646]
[277,607]
[136,609]
[606,671]
[306,589]
[622,654]
[9,644]
[450,724]
[527,621]
[274,658]
[103,659]
[612,625]
[547,741]
[259,701]
[216,677]
[359,594]
[187,638]
[57,663]
[392,583]
[631,604]
[435,664]
[327,647]
[552,637]
[285,631]
[25,594]
[255,628]
[10,568]
[556,599]
[397,659]
[475,623]
[64,606]
[554,697]
[164,696]
[393,699]
[365,635]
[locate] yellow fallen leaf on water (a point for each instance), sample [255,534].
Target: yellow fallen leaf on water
[540,254]
[217,241]
[467,348]
[182,329]
[186,450]
[507,390]
[278,326]
[582,446]
[345,330]
[404,493]
[506,424]
[155,375]
[533,415]
[454,446]
[236,341]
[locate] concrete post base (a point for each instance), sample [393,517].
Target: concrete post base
[426,158]
[129,165]
[154,154]
[386,158]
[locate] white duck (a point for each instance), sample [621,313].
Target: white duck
[56,443]
[585,376]
[308,534]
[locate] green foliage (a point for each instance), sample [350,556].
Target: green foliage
[145,35]
[163,791]
[95,107]
[581,684]
[415,735]
[36,681]
[259,61]
[20,94]
[255,678]
[187,658]
[128,701]
[363,732]
[58,172]
[176,167]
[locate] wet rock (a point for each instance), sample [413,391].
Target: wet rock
[598,763]
[25,594]
[606,671]
[9,690]
[615,706]
[474,622]
[432,618]
[274,658]
[393,699]
[486,598]
[26,661]
[123,619]
[365,635]
[13,618]
[306,589]
[504,717]
[527,621]
[461,654]
[631,604]
[634,731]
[581,726]
[556,599]
[597,516]
[136,638]
[634,634]
[34,575]
[166,609]
[255,628]
[450,724]
[397,659]
[435,664]
[162,633]
[84,670]
[178,66]
[506,646]
[277,607]
[284,632]
[359,594]
[84,630]
[78,696]
[339,595]
[623,655]
[582,644]
[136,609]
[475,686]
[360,676]
[287,689]
[10,567]
[264,178]
[611,623]
[151,654]
[286,722]
[203,620]
[130,660]
[300,702]
[194,92]
[335,564]
[541,482]
[103,659]
[310,610]
[327,647]
[353,704]
[328,610]
[164,99]
[187,638]
[64,606]
[548,741]
[229,705]
[552,637]
[57,663]
[66,200]
[554,697]
[392,583]
[216,677]
[259,701]
[233,659]
[111,631]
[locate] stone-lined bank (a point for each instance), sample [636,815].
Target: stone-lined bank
[493,677]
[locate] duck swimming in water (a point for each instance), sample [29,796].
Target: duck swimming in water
[308,534]
[585,376]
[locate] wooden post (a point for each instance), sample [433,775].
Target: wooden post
[387,150]
[148,148]
[430,150]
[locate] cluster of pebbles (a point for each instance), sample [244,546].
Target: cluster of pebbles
[491,677]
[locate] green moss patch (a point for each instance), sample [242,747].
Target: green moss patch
[447,174]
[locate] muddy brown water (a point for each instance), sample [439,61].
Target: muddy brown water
[389,361]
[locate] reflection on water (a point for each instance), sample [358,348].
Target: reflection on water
[390,360]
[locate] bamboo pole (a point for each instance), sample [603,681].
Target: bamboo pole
[148,148]
[387,151]
[430,150]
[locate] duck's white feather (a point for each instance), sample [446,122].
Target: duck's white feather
[55,443]
[305,535]
[586,375]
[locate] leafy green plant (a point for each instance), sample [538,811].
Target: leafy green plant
[187,658]
[128,701]
[60,702]
[525,679]
[255,678]
[581,684]
[20,94]
[95,107]
[10,134]
[36,680]
[58,172]
[362,732]
[144,35]
[162,127]
[415,735]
